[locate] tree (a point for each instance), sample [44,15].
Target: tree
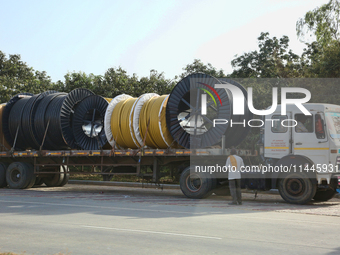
[323,22]
[16,76]
[199,67]
[274,59]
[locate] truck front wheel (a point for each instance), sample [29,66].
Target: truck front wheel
[297,188]
[195,184]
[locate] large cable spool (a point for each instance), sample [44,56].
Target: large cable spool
[192,128]
[88,123]
[152,123]
[15,117]
[120,121]
[5,115]
[42,120]
[27,124]
[4,146]
[187,125]
[135,114]
[66,113]
[108,115]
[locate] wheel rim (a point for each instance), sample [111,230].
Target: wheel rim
[16,175]
[193,182]
[295,186]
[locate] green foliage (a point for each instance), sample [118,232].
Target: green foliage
[272,60]
[323,22]
[16,76]
[199,67]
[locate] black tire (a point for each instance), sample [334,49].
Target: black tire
[19,175]
[324,195]
[3,182]
[30,168]
[195,185]
[54,180]
[297,188]
[66,176]
[38,181]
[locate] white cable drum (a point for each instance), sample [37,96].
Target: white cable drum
[108,114]
[162,108]
[136,112]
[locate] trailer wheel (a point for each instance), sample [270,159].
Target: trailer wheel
[38,181]
[66,176]
[3,182]
[54,180]
[19,175]
[30,169]
[195,185]
[297,188]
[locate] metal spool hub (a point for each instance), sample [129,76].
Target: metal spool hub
[88,123]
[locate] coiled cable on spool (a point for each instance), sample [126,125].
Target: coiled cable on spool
[88,123]
[4,146]
[5,115]
[108,115]
[187,124]
[42,120]
[15,117]
[135,115]
[120,124]
[152,123]
[54,136]
[66,114]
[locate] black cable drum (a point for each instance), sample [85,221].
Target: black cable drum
[185,122]
[88,123]
[190,128]
[40,121]
[54,137]
[14,124]
[5,116]
[66,114]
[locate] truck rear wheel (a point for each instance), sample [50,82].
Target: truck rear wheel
[19,175]
[3,182]
[324,195]
[195,185]
[297,188]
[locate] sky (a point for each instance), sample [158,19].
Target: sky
[139,35]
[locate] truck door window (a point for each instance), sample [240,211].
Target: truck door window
[277,125]
[304,123]
[319,127]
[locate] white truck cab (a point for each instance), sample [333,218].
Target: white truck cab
[308,145]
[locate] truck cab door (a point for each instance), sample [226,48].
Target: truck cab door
[278,135]
[309,137]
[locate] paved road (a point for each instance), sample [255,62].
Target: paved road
[79,219]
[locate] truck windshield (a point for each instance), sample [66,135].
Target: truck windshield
[333,124]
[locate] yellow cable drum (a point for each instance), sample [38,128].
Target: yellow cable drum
[120,124]
[152,123]
[2,137]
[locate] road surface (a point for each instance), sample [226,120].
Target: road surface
[78,219]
